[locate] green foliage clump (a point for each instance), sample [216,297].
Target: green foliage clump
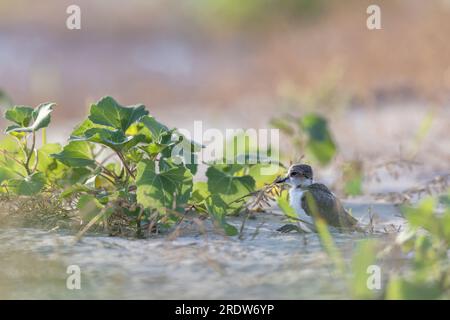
[119,163]
[422,255]
[310,134]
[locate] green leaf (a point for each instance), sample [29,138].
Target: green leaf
[27,186]
[20,115]
[74,189]
[423,216]
[109,112]
[217,208]
[261,179]
[40,118]
[199,192]
[221,180]
[80,129]
[76,154]
[353,187]
[11,152]
[153,149]
[157,129]
[284,205]
[73,176]
[46,163]
[352,174]
[169,189]
[116,139]
[320,143]
[180,150]
[88,206]
[103,135]
[6,174]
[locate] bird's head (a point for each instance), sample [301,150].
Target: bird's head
[299,175]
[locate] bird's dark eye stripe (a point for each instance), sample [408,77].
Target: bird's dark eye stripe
[293,174]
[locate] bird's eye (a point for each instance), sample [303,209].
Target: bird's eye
[293,174]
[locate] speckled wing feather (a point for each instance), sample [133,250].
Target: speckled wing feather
[317,200]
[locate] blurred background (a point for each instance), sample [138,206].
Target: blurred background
[238,64]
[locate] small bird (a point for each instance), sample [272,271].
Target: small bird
[313,201]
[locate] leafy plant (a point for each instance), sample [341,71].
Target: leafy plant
[423,247]
[121,164]
[22,172]
[309,134]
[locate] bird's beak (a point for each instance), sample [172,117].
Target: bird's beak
[281,179]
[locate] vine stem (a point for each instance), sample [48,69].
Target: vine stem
[107,178]
[110,173]
[30,153]
[120,155]
[36,160]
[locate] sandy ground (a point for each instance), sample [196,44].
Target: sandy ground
[265,264]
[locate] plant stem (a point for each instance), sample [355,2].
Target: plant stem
[30,153]
[107,178]
[36,160]
[121,157]
[107,171]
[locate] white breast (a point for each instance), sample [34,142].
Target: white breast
[295,200]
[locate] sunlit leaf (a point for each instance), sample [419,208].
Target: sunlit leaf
[11,154]
[6,174]
[423,215]
[27,186]
[109,112]
[320,143]
[114,139]
[76,154]
[259,173]
[199,192]
[80,129]
[46,163]
[285,207]
[169,189]
[157,129]
[221,180]
[20,115]
[88,206]
[40,118]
